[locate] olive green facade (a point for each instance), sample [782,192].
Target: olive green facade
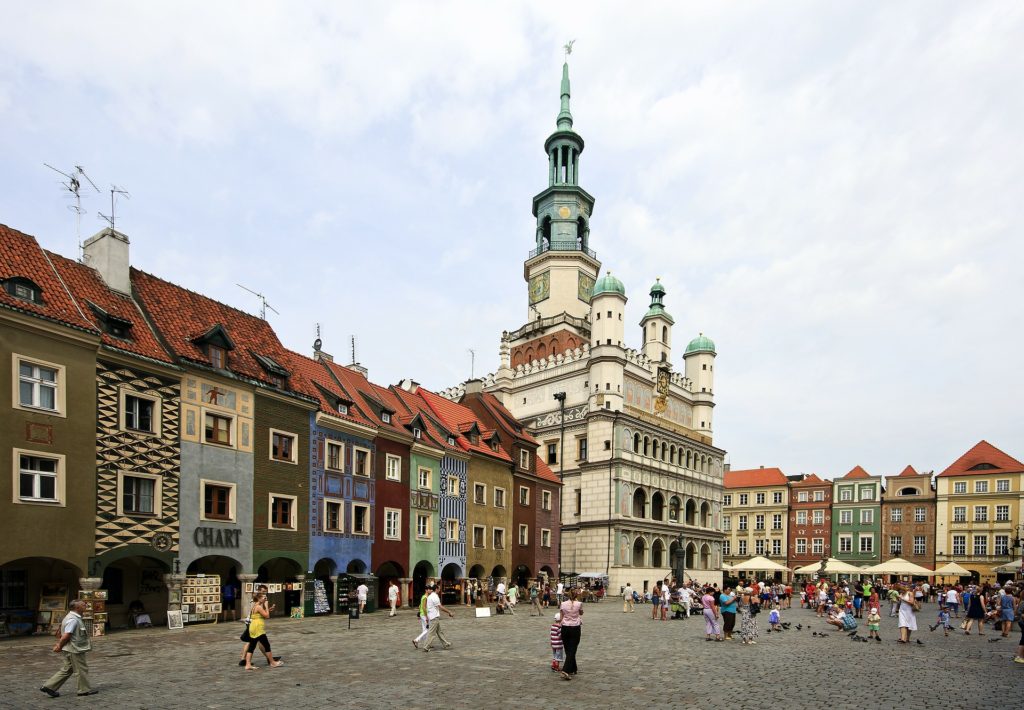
[491,512]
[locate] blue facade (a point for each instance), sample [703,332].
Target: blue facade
[453,505]
[348,551]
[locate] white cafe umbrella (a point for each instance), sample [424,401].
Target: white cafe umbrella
[1014,566]
[759,564]
[832,566]
[952,569]
[898,565]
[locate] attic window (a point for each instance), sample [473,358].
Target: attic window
[24,289]
[218,356]
[111,324]
[494,445]
[982,467]
[416,432]
[342,408]
[451,441]
[385,417]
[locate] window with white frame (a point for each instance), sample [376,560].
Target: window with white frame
[742,523]
[39,477]
[759,547]
[896,515]
[801,497]
[867,543]
[334,515]
[451,529]
[480,494]
[498,539]
[545,500]
[759,521]
[920,514]
[817,546]
[453,485]
[759,498]
[960,545]
[423,476]
[801,517]
[392,524]
[360,461]
[1002,513]
[138,494]
[479,536]
[867,517]
[981,513]
[218,500]
[1003,485]
[499,497]
[393,467]
[777,548]
[524,535]
[776,521]
[726,548]
[846,517]
[545,537]
[777,497]
[895,545]
[980,545]
[139,413]
[744,498]
[959,486]
[819,517]
[959,513]
[846,494]
[819,496]
[524,459]
[867,493]
[334,456]
[846,543]
[727,499]
[39,385]
[726,522]
[218,428]
[282,446]
[1002,545]
[283,512]
[422,526]
[360,519]
[981,486]
[920,545]
[801,546]
[741,546]
[524,495]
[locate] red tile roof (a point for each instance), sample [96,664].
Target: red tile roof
[179,314]
[369,398]
[21,255]
[453,415]
[908,471]
[857,472]
[811,479]
[754,477]
[317,374]
[436,432]
[87,286]
[544,471]
[983,454]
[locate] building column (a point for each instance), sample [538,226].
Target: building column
[302,593]
[174,582]
[405,585]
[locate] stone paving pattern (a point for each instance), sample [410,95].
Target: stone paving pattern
[626,660]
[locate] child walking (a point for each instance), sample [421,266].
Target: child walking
[943,621]
[874,622]
[774,619]
[557,648]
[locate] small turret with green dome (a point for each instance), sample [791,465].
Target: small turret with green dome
[608,284]
[701,344]
[657,309]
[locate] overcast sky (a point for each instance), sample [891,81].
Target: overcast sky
[834,192]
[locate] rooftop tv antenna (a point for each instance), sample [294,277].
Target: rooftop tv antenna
[263,303]
[114,192]
[354,361]
[472,362]
[73,185]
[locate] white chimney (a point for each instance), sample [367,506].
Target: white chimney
[107,252]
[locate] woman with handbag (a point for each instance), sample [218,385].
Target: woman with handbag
[976,610]
[908,612]
[257,631]
[748,614]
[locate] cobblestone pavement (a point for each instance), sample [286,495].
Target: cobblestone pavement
[626,660]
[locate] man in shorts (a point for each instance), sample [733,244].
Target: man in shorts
[656,600]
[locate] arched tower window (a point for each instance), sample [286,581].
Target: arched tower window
[582,232]
[664,334]
[545,233]
[636,443]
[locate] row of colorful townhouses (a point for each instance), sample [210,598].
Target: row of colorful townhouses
[154,433]
[971,514]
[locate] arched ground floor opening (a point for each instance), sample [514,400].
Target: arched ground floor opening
[356,566]
[451,584]
[35,592]
[137,595]
[421,574]
[281,574]
[386,573]
[324,570]
[521,576]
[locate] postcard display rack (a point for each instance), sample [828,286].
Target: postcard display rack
[95,613]
[200,599]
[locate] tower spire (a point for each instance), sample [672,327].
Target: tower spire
[564,120]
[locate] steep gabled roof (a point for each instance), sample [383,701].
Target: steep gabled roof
[754,477]
[372,400]
[435,432]
[453,415]
[981,459]
[908,471]
[857,472]
[185,318]
[22,257]
[811,479]
[101,303]
[328,391]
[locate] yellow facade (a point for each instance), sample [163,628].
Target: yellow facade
[225,404]
[755,528]
[978,517]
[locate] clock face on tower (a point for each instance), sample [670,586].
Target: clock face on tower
[540,287]
[586,287]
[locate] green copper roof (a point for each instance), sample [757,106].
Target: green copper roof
[657,309]
[565,116]
[701,344]
[608,284]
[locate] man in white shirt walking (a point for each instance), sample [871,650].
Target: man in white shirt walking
[627,599]
[686,600]
[392,596]
[73,644]
[434,610]
[361,592]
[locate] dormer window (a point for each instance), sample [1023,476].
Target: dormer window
[494,445]
[218,356]
[276,375]
[385,417]
[24,289]
[417,433]
[111,324]
[451,441]
[342,408]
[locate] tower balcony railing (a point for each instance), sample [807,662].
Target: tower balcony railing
[563,245]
